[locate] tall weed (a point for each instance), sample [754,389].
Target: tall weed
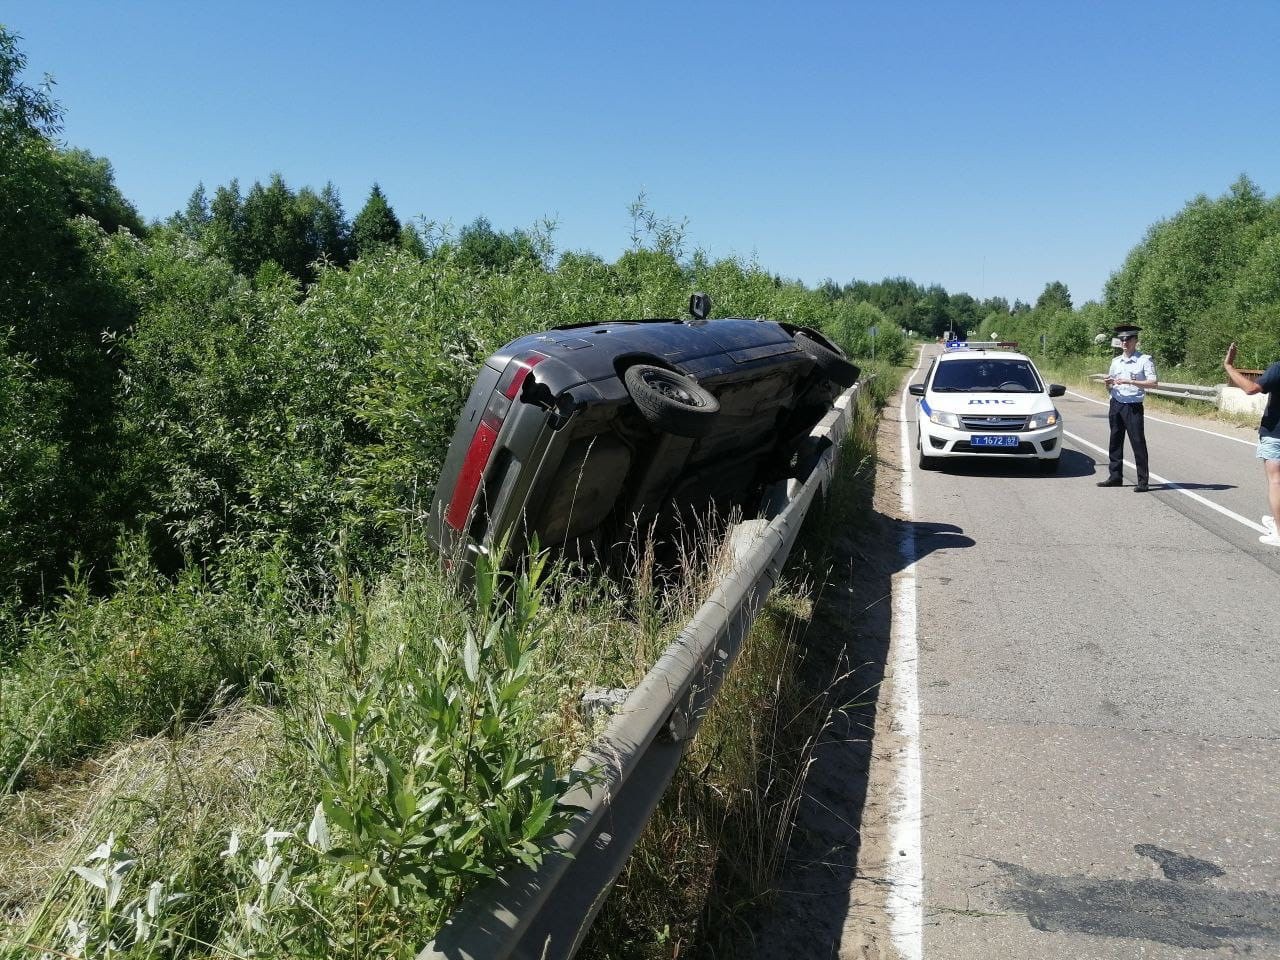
[412,762]
[96,670]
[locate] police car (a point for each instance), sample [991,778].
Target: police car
[986,400]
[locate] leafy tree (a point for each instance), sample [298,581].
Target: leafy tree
[411,242]
[24,109]
[376,226]
[327,230]
[1055,296]
[276,230]
[830,289]
[963,311]
[995,305]
[898,298]
[935,313]
[480,246]
[225,236]
[1179,283]
[56,399]
[270,224]
[92,192]
[851,328]
[194,220]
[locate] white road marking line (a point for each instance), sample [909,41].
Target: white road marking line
[905,866]
[1172,423]
[1176,486]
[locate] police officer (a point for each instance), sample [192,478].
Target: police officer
[1132,374]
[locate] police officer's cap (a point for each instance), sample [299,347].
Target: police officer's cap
[1127,330]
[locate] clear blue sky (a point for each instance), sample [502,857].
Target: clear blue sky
[989,147]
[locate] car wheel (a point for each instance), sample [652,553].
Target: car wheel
[926,462]
[671,402]
[1050,466]
[825,357]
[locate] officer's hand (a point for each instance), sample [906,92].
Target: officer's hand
[1231,356]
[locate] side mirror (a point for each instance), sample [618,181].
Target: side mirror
[700,306]
[1056,390]
[916,389]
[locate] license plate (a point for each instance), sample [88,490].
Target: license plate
[994,441]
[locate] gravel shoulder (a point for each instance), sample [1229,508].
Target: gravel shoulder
[830,902]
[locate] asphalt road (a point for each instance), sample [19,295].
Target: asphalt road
[1098,689]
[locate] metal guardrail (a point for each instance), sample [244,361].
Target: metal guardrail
[1181,391]
[544,913]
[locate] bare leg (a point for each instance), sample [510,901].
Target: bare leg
[1273,488]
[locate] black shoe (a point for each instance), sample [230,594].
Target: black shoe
[1140,488]
[1111,482]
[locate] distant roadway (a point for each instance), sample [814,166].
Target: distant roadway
[1093,689]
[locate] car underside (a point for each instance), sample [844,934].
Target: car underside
[584,439]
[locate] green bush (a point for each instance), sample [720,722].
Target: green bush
[95,671]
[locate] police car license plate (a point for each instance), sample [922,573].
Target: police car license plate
[982,440]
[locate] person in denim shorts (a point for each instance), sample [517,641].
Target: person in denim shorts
[1268,434]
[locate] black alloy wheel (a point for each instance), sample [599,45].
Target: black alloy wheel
[671,402]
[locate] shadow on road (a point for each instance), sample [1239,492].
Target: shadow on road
[939,536]
[851,626]
[1071,463]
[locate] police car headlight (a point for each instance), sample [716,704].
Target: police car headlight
[1042,420]
[945,419]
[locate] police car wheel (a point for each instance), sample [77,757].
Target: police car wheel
[671,402]
[926,462]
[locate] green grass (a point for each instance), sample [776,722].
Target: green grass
[256,762]
[712,853]
[395,746]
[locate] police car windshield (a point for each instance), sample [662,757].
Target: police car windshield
[986,375]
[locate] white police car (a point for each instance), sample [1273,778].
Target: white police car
[986,400]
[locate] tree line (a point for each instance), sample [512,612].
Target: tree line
[259,374]
[260,370]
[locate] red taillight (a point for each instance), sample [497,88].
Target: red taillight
[486,437]
[513,377]
[464,491]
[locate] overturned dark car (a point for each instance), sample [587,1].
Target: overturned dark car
[582,436]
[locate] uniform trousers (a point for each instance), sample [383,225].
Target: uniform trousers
[1126,418]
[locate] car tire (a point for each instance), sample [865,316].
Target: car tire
[923,461]
[671,402]
[826,358]
[1050,466]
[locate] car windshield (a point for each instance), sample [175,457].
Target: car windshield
[986,375]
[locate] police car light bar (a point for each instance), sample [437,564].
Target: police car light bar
[980,345]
